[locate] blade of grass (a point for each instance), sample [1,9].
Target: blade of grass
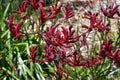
[9,72]
[6,10]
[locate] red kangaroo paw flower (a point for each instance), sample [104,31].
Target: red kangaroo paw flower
[15,28]
[33,52]
[60,36]
[68,13]
[34,3]
[111,11]
[55,8]
[94,22]
[49,52]
[106,48]
[116,56]
[61,72]
[22,8]
[74,59]
[44,16]
[92,61]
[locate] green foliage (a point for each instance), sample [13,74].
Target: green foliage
[14,55]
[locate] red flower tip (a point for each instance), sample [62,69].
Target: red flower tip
[111,11]
[116,57]
[56,8]
[33,52]
[67,12]
[64,37]
[15,28]
[106,48]
[94,22]
[22,8]
[44,16]
[34,3]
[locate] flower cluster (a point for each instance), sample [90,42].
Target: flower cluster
[111,11]
[15,28]
[61,44]
[94,22]
[60,36]
[106,50]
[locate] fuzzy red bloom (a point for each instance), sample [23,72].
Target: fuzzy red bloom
[34,3]
[10,21]
[94,22]
[91,16]
[116,56]
[106,48]
[60,36]
[33,52]
[22,8]
[56,8]
[74,59]
[49,52]
[61,72]
[44,16]
[93,61]
[100,26]
[33,49]
[83,39]
[67,12]
[111,11]
[15,28]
